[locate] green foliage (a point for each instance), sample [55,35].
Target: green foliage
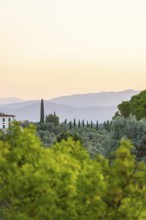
[79,123]
[65,135]
[136,106]
[132,129]
[124,108]
[83,123]
[63,182]
[95,141]
[2,136]
[97,125]
[74,123]
[100,138]
[52,118]
[107,125]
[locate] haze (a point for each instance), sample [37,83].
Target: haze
[53,48]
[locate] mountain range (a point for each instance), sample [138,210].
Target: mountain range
[92,106]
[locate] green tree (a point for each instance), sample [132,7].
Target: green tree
[63,182]
[136,106]
[53,118]
[42,114]
[65,121]
[70,124]
[74,123]
[91,125]
[83,123]
[66,135]
[124,108]
[97,125]
[87,124]
[107,125]
[132,129]
[79,124]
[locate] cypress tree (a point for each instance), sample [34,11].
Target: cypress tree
[70,125]
[97,126]
[74,123]
[65,121]
[42,115]
[87,124]
[83,123]
[79,124]
[91,124]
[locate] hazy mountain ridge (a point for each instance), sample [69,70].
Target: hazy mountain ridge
[10,100]
[102,99]
[32,112]
[85,109]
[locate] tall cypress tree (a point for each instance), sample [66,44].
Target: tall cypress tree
[97,126]
[42,114]
[74,123]
[79,124]
[65,121]
[70,125]
[83,123]
[91,124]
[87,124]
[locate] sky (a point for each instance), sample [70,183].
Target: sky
[50,48]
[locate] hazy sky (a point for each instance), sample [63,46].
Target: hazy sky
[50,48]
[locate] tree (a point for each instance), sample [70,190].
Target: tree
[136,106]
[53,118]
[132,129]
[91,125]
[124,108]
[65,121]
[79,124]
[107,125]
[83,124]
[97,125]
[116,115]
[70,124]
[87,124]
[66,135]
[63,182]
[42,114]
[74,123]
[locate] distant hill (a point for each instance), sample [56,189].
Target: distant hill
[99,106]
[9,100]
[31,112]
[102,99]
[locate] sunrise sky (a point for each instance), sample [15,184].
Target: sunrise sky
[50,48]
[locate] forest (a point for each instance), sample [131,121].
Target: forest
[76,170]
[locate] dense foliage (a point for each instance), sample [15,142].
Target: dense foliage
[52,118]
[63,182]
[94,138]
[133,129]
[136,106]
[103,140]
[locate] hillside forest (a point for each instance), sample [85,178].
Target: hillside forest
[76,169]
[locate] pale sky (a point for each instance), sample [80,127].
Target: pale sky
[50,48]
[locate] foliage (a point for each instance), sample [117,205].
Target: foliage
[124,108]
[132,129]
[52,118]
[95,139]
[99,138]
[63,182]
[65,135]
[136,106]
